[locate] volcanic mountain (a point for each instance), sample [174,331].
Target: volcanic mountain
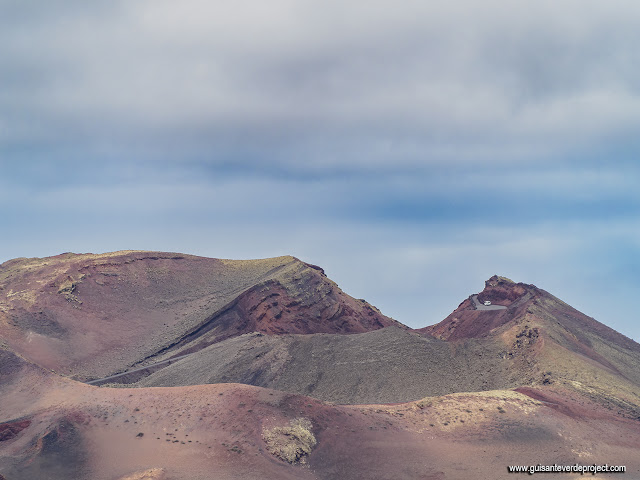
[232,369]
[547,341]
[91,316]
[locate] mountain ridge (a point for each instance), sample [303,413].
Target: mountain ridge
[68,312]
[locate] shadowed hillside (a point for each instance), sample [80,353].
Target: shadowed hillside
[386,366]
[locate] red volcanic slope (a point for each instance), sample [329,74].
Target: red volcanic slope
[523,302]
[468,322]
[544,340]
[94,315]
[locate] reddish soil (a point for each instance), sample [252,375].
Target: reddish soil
[10,430]
[270,309]
[76,431]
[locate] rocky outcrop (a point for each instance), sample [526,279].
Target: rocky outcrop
[467,321]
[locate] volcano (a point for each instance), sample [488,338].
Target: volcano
[151,365]
[546,340]
[91,316]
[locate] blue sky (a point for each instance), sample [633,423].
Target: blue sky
[413,150]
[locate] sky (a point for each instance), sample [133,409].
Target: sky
[412,149]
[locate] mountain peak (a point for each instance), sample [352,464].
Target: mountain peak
[497,280]
[504,291]
[498,303]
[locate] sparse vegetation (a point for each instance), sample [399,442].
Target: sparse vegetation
[425,403]
[291,443]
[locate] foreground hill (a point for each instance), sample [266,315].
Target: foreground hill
[55,428]
[94,315]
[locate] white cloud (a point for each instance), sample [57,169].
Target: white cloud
[431,81]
